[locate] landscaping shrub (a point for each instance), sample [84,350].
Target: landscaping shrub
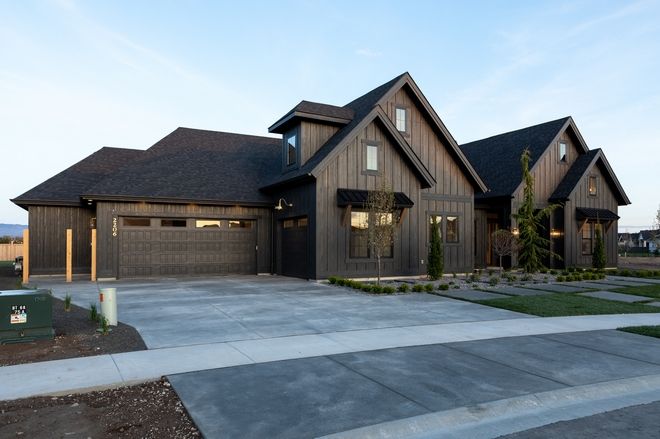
[428,288]
[571,269]
[435,265]
[527,277]
[377,289]
[493,280]
[474,277]
[418,288]
[388,289]
[333,280]
[561,278]
[403,288]
[366,288]
[67,302]
[443,287]
[598,257]
[93,312]
[543,270]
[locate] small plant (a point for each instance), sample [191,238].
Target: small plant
[366,288]
[67,302]
[474,277]
[104,327]
[333,280]
[527,277]
[418,288]
[443,287]
[428,288]
[490,272]
[553,272]
[456,287]
[451,282]
[403,288]
[561,278]
[388,289]
[377,289]
[93,312]
[453,274]
[493,281]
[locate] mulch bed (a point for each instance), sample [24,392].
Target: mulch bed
[150,410]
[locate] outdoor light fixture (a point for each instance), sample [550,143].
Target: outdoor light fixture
[515,231]
[555,233]
[281,203]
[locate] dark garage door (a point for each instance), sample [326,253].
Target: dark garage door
[294,247]
[178,247]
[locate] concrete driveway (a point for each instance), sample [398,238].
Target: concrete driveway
[181,312]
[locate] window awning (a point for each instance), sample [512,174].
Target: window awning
[589,213]
[358,198]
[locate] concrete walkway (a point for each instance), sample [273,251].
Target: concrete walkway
[78,374]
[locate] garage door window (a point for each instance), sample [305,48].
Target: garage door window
[137,222]
[173,223]
[202,224]
[240,224]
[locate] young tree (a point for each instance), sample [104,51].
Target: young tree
[381,208]
[503,243]
[532,246]
[598,257]
[436,263]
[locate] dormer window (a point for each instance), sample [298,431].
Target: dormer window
[401,119]
[291,148]
[372,158]
[562,152]
[593,186]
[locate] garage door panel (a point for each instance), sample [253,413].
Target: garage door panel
[202,251]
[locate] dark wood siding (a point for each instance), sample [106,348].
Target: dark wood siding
[108,245]
[48,226]
[604,199]
[312,137]
[332,237]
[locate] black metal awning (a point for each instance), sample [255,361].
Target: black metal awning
[358,198]
[589,213]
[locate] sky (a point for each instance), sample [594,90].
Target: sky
[77,76]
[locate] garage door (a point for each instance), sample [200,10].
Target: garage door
[153,247]
[294,247]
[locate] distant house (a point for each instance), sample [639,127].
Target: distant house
[648,239]
[645,241]
[566,172]
[204,203]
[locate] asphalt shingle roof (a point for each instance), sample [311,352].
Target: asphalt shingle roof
[497,158]
[573,176]
[67,186]
[191,164]
[360,108]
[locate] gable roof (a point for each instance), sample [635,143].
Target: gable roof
[497,158]
[580,167]
[191,165]
[367,108]
[307,110]
[65,188]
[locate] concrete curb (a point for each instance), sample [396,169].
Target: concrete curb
[497,418]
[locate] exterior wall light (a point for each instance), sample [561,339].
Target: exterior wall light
[515,231]
[281,203]
[555,233]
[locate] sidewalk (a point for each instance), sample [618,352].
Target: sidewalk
[87,373]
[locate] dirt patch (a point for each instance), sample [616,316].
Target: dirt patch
[639,262]
[150,410]
[75,336]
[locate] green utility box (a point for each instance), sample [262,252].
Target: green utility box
[26,315]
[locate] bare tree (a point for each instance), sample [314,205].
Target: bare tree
[380,206]
[504,243]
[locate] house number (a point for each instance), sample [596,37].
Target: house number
[114,226]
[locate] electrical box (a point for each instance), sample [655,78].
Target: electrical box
[26,315]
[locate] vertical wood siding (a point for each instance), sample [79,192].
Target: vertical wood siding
[604,199]
[312,138]
[108,250]
[48,226]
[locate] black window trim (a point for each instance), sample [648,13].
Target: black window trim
[286,166]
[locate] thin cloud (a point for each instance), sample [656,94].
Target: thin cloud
[368,53]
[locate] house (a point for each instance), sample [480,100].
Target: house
[202,202]
[566,172]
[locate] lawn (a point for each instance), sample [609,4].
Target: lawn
[646,291]
[566,304]
[651,331]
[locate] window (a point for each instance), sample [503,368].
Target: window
[593,186]
[291,149]
[401,122]
[173,223]
[438,224]
[137,222]
[208,223]
[372,158]
[452,229]
[587,238]
[288,224]
[240,224]
[359,245]
[562,152]
[302,222]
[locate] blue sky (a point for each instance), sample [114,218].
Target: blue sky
[76,76]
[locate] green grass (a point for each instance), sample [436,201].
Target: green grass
[566,304]
[652,291]
[651,331]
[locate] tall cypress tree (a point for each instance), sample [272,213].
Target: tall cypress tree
[532,246]
[436,258]
[598,257]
